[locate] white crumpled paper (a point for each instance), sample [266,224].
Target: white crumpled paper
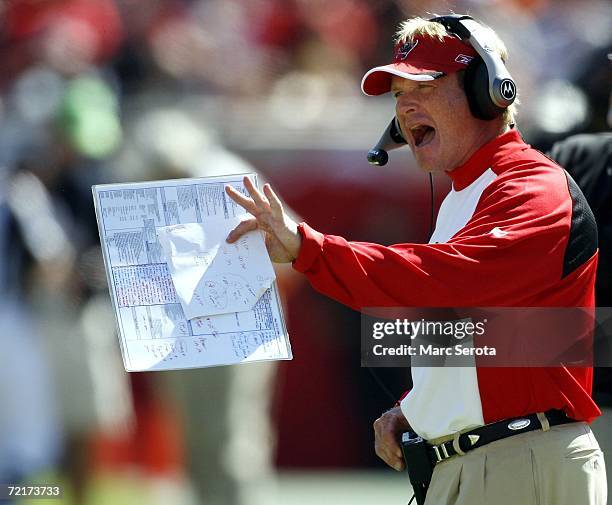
[211,276]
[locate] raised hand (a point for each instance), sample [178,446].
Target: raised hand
[282,237]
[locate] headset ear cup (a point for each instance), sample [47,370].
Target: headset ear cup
[476,85]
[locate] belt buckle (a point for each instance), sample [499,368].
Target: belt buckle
[441,457]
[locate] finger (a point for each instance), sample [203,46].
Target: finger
[258,198]
[275,203]
[244,201]
[393,453]
[244,227]
[380,444]
[393,446]
[389,458]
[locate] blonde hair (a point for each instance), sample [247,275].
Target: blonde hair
[420,27]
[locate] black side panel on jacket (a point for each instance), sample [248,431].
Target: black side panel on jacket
[582,242]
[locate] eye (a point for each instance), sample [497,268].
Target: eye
[397,94]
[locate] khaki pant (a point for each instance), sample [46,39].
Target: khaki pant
[561,466]
[602,427]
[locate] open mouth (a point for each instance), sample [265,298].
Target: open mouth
[422,134]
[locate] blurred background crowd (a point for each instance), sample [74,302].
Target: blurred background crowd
[97,91]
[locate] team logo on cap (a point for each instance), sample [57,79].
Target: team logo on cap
[508,89]
[404,50]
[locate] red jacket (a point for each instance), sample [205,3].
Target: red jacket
[514,231]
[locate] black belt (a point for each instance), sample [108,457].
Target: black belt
[484,435]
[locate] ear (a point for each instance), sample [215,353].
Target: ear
[476,86]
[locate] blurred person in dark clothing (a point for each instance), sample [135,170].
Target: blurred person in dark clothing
[588,159]
[30,433]
[57,156]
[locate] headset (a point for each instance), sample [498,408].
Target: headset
[489,87]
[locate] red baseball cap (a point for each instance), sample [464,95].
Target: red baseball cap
[422,59]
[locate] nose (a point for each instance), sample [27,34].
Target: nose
[405,105]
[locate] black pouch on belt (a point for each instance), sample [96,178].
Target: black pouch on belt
[420,467]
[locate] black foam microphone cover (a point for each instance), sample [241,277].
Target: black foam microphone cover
[392,138]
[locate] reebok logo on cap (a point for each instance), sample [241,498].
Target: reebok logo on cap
[464,59]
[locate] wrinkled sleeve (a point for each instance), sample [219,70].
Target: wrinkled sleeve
[511,248]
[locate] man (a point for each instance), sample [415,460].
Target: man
[513,231]
[588,158]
